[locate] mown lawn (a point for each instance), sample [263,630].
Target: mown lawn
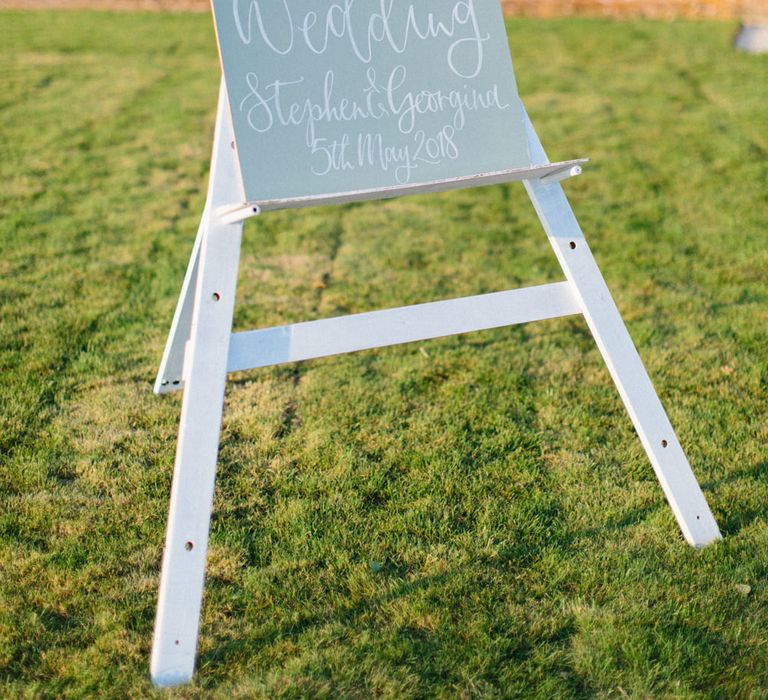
[472,517]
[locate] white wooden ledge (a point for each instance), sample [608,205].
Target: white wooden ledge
[549,172]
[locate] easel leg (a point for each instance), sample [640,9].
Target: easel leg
[205,371]
[619,352]
[169,376]
[212,293]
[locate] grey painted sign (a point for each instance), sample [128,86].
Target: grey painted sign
[331,96]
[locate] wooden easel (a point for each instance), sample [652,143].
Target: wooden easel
[201,351]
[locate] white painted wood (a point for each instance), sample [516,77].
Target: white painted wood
[620,355]
[183,572]
[376,329]
[560,175]
[169,376]
[241,212]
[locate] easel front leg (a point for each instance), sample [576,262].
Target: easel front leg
[204,377]
[620,355]
[205,371]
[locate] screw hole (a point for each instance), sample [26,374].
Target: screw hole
[177,642]
[165,383]
[573,245]
[216,296]
[698,517]
[189,546]
[176,382]
[664,443]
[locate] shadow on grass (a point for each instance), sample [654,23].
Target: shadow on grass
[733,522]
[426,651]
[233,649]
[423,652]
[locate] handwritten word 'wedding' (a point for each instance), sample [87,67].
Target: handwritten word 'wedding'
[353,23]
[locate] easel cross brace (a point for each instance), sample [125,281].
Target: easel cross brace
[202,350]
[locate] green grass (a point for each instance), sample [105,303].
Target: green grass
[472,517]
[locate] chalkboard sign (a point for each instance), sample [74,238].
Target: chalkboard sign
[348,95]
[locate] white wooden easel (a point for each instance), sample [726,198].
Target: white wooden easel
[201,350]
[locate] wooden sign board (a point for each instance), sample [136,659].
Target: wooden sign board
[334,97]
[331,101]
